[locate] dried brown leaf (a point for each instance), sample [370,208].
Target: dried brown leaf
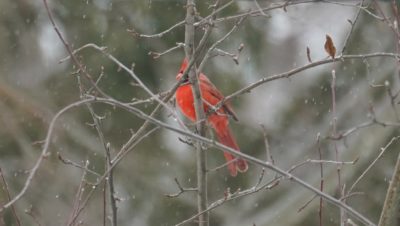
[330,47]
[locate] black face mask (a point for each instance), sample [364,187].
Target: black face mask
[185,80]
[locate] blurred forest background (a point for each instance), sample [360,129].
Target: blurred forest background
[34,86]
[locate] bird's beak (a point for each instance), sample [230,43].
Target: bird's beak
[179,76]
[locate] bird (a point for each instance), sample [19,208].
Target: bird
[218,119]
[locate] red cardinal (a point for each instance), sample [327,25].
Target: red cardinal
[219,120]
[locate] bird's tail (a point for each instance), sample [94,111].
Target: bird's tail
[225,137]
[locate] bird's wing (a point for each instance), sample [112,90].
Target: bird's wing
[213,96]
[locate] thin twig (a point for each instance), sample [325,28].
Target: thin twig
[266,143]
[229,197]
[115,162]
[387,20]
[169,94]
[181,23]
[371,122]
[139,134]
[352,24]
[234,56]
[345,197]
[348,132]
[383,150]
[70,162]
[5,187]
[257,12]
[392,98]
[132,74]
[221,166]
[221,147]
[361,7]
[254,189]
[158,35]
[390,208]
[305,162]
[334,124]
[43,154]
[205,140]
[337,154]
[321,183]
[260,9]
[181,190]
[110,181]
[105,204]
[233,29]
[78,198]
[307,203]
[332,162]
[201,155]
[156,55]
[213,14]
[295,71]
[69,50]
[106,145]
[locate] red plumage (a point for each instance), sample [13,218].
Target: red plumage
[218,120]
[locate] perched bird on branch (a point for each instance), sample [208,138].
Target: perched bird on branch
[218,119]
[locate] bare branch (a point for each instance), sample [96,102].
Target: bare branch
[334,124]
[181,23]
[142,130]
[221,166]
[350,131]
[5,187]
[73,57]
[159,35]
[181,190]
[295,71]
[156,55]
[78,198]
[261,10]
[115,162]
[110,178]
[307,203]
[169,94]
[229,197]
[383,150]
[266,143]
[257,12]
[144,116]
[201,155]
[352,24]
[133,75]
[234,28]
[391,206]
[360,7]
[110,181]
[392,98]
[321,183]
[327,197]
[43,154]
[70,162]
